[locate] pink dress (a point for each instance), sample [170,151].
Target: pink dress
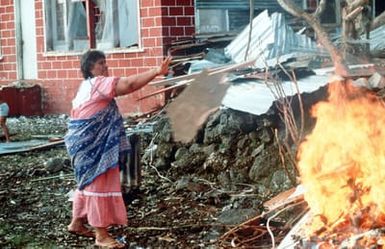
[100,202]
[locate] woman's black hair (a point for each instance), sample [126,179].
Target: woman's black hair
[88,60]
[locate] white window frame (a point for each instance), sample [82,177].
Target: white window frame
[51,53]
[58,45]
[198,22]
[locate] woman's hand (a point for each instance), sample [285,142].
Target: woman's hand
[132,83]
[163,68]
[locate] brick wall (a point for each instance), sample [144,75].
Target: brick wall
[59,75]
[177,19]
[7,42]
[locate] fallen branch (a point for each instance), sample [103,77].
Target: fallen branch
[161,176]
[51,177]
[175,227]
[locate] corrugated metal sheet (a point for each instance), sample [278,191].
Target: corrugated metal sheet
[256,97]
[241,4]
[377,41]
[273,40]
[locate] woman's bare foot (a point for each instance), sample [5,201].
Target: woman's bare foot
[77,227]
[104,239]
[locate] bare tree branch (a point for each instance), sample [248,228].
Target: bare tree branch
[357,3]
[323,38]
[378,21]
[353,14]
[320,9]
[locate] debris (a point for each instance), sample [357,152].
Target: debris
[285,198]
[61,176]
[199,100]
[54,165]
[357,70]
[376,81]
[377,43]
[236,216]
[361,82]
[257,95]
[27,146]
[273,42]
[289,241]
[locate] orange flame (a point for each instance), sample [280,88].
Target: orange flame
[342,162]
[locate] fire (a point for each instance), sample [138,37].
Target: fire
[342,162]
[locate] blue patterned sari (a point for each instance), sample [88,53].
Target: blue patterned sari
[96,144]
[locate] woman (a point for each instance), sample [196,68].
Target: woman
[97,145]
[4,111]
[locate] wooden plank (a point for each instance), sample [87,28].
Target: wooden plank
[165,90]
[213,71]
[290,196]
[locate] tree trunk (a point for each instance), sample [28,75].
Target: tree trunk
[378,21]
[338,60]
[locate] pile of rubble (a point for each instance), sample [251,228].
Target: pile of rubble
[232,148]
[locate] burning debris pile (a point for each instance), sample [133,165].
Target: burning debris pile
[341,166]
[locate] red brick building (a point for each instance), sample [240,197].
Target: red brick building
[42,40]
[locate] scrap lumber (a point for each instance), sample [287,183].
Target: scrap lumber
[193,76]
[184,80]
[285,198]
[166,89]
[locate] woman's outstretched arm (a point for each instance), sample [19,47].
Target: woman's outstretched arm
[132,83]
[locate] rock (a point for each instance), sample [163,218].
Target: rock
[195,148]
[242,160]
[265,135]
[54,165]
[182,183]
[263,166]
[280,181]
[361,82]
[238,175]
[208,150]
[190,162]
[227,143]
[216,162]
[165,150]
[164,131]
[253,136]
[224,179]
[377,81]
[258,150]
[212,236]
[243,142]
[161,164]
[180,153]
[236,216]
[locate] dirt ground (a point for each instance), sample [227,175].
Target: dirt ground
[171,211]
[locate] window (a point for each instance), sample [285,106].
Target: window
[212,20]
[113,24]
